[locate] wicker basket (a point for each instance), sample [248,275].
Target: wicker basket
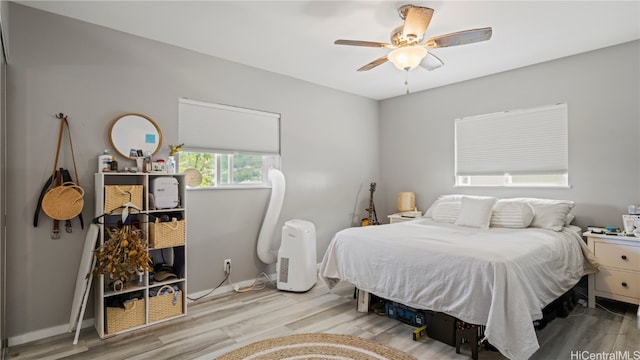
[166,234]
[165,305]
[118,195]
[118,319]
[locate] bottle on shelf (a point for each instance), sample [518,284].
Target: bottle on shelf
[114,164]
[104,161]
[171,165]
[147,162]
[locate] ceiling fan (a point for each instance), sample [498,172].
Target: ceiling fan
[408,51]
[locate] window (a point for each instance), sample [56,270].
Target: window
[230,146]
[513,148]
[222,169]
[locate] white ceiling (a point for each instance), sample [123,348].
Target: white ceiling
[295,38]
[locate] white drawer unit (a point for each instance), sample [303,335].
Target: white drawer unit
[398,217]
[619,275]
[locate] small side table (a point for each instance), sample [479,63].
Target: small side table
[397,218]
[619,275]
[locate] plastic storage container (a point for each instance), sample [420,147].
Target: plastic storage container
[296,265]
[165,192]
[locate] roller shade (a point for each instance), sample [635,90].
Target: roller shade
[228,128]
[531,141]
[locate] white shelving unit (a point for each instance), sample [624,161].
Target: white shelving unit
[175,256]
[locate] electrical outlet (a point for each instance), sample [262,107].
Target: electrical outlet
[227,266]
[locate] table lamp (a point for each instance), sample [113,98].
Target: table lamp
[406,201]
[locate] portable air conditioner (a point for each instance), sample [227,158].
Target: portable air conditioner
[296,264]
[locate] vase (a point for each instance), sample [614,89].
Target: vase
[171,165]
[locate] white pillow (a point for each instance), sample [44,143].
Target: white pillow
[440,199]
[549,214]
[512,214]
[569,219]
[450,198]
[476,212]
[445,211]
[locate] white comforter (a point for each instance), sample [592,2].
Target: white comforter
[498,277]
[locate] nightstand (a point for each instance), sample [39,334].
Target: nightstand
[619,275]
[397,218]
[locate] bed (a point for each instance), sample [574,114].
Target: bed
[485,261]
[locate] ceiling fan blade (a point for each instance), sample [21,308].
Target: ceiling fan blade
[459,38]
[363,43]
[431,62]
[416,22]
[379,61]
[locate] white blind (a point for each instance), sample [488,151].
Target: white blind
[222,127]
[531,141]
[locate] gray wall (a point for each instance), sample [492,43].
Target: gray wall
[94,74]
[602,90]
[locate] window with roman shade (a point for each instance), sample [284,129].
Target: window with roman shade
[517,147]
[230,146]
[228,128]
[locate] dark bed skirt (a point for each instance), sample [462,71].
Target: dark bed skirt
[560,307]
[442,327]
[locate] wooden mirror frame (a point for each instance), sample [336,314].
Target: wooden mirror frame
[134,131]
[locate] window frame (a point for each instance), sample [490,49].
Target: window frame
[508,182]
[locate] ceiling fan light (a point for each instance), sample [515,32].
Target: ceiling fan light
[407,58]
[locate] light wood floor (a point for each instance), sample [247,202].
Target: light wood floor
[219,324]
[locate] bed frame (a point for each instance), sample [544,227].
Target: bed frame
[472,334]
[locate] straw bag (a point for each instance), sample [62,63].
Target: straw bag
[65,201]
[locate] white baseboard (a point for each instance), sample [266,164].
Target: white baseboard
[61,329]
[45,333]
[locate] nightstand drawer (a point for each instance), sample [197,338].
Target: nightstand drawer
[619,256]
[618,282]
[397,218]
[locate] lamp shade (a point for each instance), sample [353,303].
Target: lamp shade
[408,57]
[406,201]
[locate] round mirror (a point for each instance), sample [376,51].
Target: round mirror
[133,135]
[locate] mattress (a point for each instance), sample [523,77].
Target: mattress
[498,277]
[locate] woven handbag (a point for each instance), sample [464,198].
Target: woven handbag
[65,201]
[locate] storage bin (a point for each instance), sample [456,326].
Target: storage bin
[166,234]
[165,305]
[118,195]
[405,314]
[118,319]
